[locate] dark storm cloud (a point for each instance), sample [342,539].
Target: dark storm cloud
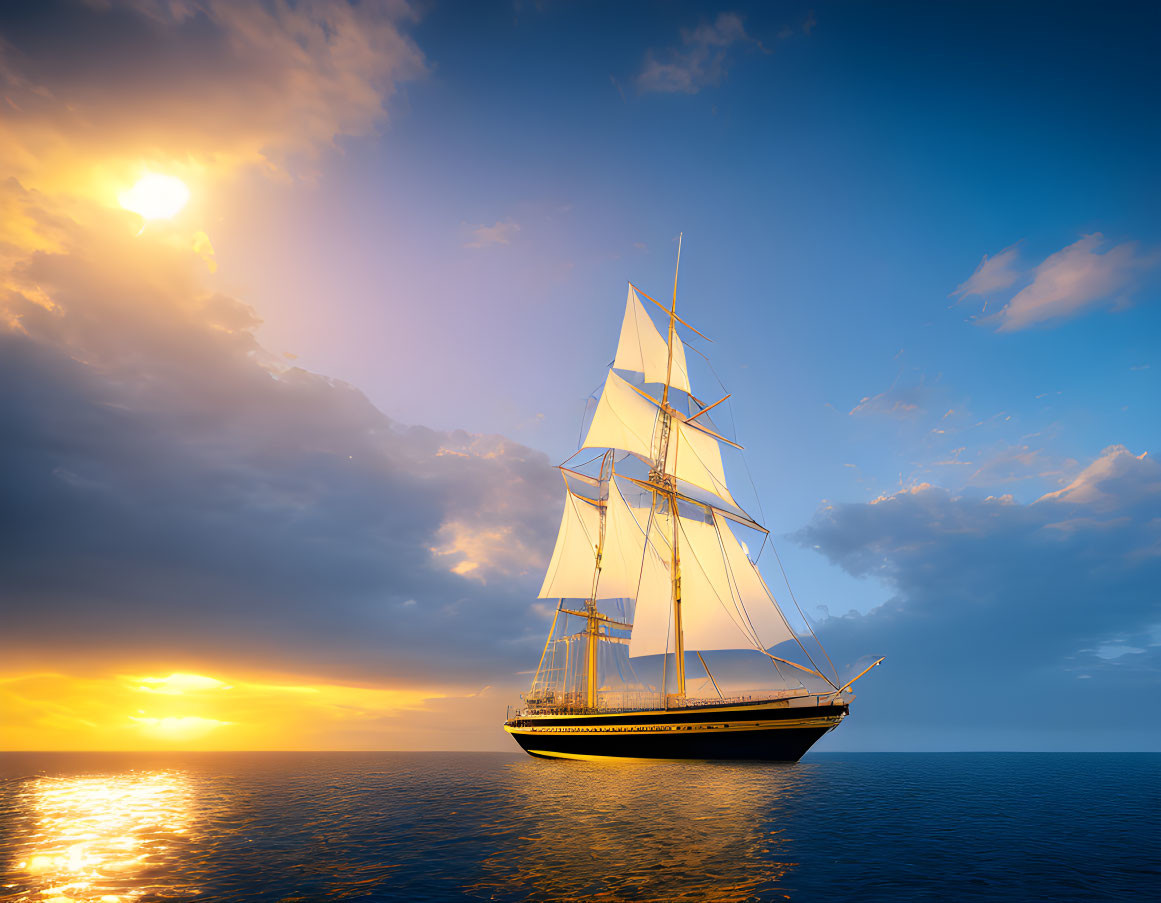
[1040,623]
[171,493]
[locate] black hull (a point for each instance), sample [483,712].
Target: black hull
[768,733]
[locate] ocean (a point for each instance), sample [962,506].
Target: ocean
[497,826]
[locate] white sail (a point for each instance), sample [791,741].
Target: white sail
[643,349]
[696,458]
[724,603]
[626,420]
[574,560]
[626,562]
[623,420]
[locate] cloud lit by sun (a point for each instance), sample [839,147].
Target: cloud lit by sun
[155,196]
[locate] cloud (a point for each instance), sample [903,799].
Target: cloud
[177,500]
[997,608]
[174,493]
[700,61]
[93,89]
[1078,278]
[898,402]
[1016,463]
[1101,485]
[1075,279]
[992,274]
[499,233]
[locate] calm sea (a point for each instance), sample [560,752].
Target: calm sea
[483,826]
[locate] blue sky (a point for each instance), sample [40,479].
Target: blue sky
[443,215]
[835,187]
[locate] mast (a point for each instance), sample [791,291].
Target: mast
[593,616]
[675,563]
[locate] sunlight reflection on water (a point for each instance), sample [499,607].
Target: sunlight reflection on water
[98,838]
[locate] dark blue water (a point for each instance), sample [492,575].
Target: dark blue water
[481,826]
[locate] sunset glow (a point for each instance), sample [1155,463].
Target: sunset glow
[185,710]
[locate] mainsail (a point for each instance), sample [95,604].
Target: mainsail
[725,603]
[664,545]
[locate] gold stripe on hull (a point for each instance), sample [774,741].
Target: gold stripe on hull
[582,757]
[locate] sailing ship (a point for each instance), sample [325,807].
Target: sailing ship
[650,564]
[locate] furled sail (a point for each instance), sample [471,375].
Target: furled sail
[626,420]
[574,560]
[724,602]
[641,348]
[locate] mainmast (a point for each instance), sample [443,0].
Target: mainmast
[671,489]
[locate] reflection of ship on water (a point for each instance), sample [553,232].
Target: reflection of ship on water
[668,831]
[650,562]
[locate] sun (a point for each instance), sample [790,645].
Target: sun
[155,196]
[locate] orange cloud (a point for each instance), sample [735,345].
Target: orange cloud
[94,98]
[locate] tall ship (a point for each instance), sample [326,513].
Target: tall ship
[651,569]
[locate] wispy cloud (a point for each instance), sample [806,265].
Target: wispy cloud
[1085,275]
[499,233]
[700,61]
[898,402]
[992,275]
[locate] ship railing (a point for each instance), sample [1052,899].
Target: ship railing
[556,703]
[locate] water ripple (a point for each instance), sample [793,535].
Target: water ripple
[386,826]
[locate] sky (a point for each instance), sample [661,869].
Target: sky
[278,470]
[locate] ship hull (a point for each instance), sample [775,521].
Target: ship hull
[771,732]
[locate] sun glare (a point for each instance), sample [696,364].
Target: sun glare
[185,727]
[155,196]
[178,683]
